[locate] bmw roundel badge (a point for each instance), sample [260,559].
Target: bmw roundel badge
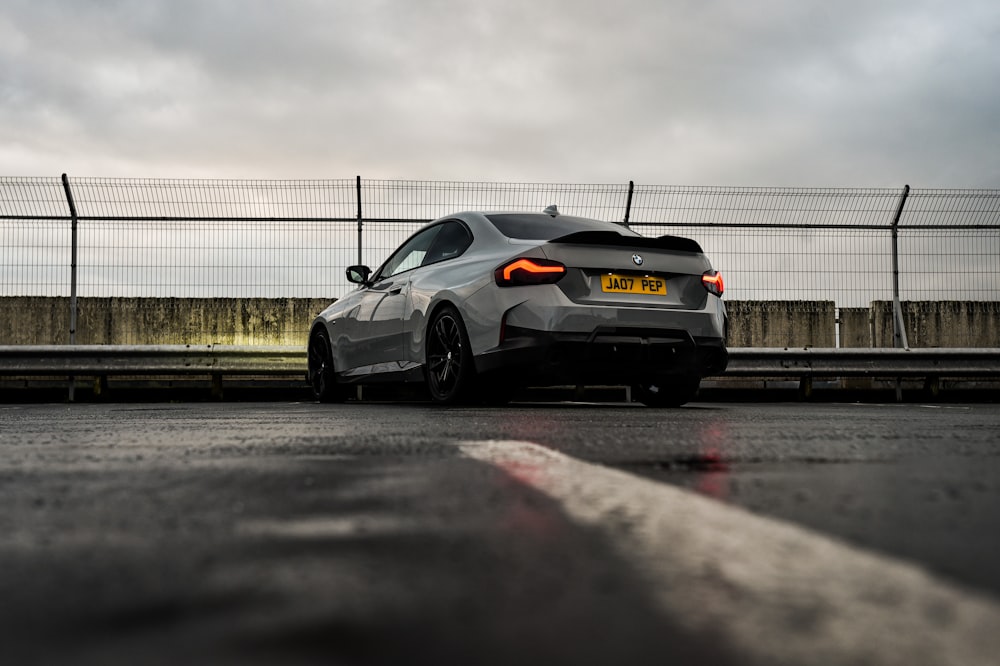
[637,259]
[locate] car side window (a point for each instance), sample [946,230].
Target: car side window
[452,241]
[410,255]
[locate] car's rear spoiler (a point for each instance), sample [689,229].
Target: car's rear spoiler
[675,243]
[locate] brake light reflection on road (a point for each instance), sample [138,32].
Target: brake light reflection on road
[525,517]
[713,479]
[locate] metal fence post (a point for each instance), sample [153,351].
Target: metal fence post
[898,325]
[360,223]
[72,277]
[628,201]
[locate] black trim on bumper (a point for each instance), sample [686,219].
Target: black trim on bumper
[612,355]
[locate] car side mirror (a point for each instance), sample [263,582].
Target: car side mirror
[358,274]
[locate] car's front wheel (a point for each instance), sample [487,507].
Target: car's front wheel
[450,370]
[321,372]
[667,391]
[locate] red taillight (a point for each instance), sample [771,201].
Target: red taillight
[712,280]
[529,271]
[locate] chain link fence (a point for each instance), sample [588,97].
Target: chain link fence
[233,239]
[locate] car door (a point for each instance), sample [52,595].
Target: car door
[375,336]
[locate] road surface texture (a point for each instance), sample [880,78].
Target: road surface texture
[569,533]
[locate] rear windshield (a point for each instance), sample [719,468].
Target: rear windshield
[540,227]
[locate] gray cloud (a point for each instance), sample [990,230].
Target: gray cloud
[781,92]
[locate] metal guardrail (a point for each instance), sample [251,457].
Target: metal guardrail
[88,360]
[867,362]
[150,360]
[287,365]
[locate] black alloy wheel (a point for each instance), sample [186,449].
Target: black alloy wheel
[450,369]
[321,374]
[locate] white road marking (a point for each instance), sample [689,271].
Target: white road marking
[323,527]
[775,592]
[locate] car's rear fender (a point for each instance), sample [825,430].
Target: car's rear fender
[471,290]
[424,303]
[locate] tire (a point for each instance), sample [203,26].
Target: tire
[667,391]
[450,370]
[322,377]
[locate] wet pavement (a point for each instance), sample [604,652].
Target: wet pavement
[359,533]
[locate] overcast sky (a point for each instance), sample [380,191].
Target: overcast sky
[674,92]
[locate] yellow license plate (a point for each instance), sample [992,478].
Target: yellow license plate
[633,284]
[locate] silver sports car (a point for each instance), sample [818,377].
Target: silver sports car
[477,305]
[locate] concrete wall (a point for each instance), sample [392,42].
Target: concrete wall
[34,320]
[231,321]
[855,327]
[940,323]
[782,323]
[285,321]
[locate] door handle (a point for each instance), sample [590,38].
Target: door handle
[395,291]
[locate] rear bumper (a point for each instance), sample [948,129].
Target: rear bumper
[607,355]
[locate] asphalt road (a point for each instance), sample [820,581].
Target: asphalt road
[559,533]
